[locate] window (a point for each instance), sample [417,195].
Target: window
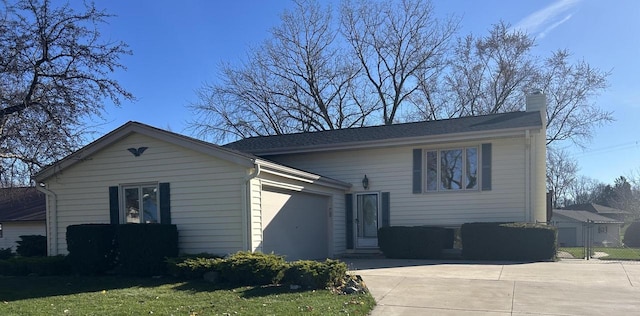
[452,169]
[141,204]
[602,229]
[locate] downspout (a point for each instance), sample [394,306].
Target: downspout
[52,220]
[246,207]
[527,177]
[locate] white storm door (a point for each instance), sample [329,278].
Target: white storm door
[367,219]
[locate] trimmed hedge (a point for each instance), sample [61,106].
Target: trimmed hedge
[314,274]
[32,246]
[6,253]
[508,241]
[143,248]
[92,248]
[413,242]
[247,268]
[192,267]
[40,266]
[632,235]
[130,249]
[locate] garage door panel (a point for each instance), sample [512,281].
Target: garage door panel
[295,224]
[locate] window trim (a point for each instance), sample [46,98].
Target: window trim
[140,186]
[438,177]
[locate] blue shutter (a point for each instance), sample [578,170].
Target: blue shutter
[486,167]
[386,209]
[348,199]
[114,205]
[165,203]
[417,171]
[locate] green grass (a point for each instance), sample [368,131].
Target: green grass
[145,296]
[614,253]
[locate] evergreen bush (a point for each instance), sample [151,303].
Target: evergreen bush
[412,242]
[632,235]
[92,248]
[508,241]
[32,246]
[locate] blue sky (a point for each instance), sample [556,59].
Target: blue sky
[177,46]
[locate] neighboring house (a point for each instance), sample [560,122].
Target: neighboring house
[22,212]
[307,195]
[576,227]
[600,210]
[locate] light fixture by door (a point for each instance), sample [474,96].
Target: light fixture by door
[365,182]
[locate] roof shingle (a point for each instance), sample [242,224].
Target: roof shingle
[22,204]
[372,134]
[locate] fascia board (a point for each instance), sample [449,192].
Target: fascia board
[299,175]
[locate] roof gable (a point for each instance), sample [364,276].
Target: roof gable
[376,135]
[22,204]
[238,157]
[143,129]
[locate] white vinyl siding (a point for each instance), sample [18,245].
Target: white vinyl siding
[390,170]
[11,232]
[205,191]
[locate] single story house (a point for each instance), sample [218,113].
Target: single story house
[307,195]
[605,211]
[22,212]
[576,227]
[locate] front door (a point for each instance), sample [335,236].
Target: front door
[367,218]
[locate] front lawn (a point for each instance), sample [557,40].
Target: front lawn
[613,253]
[166,296]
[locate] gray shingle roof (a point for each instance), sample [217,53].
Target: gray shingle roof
[373,134]
[583,216]
[22,204]
[596,208]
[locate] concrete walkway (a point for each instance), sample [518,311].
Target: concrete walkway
[567,287]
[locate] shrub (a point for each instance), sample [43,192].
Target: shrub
[247,268]
[315,275]
[5,253]
[508,241]
[632,235]
[144,248]
[32,246]
[41,266]
[192,267]
[92,248]
[412,242]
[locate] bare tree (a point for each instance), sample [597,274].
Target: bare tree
[584,190]
[298,80]
[489,74]
[54,70]
[399,46]
[561,175]
[392,61]
[570,89]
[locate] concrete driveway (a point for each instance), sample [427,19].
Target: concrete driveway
[567,287]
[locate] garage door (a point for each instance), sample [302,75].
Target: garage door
[295,224]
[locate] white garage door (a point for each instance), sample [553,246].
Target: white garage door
[295,224]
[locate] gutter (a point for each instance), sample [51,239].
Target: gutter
[246,207]
[52,220]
